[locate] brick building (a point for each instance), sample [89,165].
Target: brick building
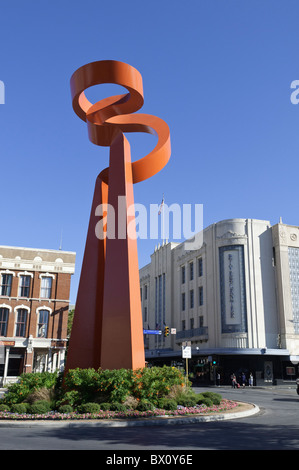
[34,305]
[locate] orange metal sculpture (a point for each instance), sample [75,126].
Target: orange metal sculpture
[107,330]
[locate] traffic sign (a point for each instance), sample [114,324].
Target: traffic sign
[186,352]
[152,332]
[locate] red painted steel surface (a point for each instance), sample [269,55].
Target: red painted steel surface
[107,330]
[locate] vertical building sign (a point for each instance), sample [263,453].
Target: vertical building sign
[232,289]
[294,281]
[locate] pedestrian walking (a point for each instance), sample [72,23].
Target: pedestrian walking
[234,380]
[250,380]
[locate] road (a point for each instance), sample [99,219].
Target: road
[275,427]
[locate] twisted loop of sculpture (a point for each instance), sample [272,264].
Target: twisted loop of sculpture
[110,116]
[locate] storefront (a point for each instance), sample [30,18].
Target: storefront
[211,369]
[17,360]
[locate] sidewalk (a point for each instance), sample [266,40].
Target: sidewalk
[286,385]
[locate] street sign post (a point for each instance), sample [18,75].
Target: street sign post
[186,354]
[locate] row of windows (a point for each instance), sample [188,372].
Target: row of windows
[21,322]
[24,286]
[191,298]
[191,270]
[200,323]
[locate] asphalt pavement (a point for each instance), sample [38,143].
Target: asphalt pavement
[274,427]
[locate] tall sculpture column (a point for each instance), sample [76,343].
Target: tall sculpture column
[107,330]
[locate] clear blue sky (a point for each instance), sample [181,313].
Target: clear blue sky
[218,72]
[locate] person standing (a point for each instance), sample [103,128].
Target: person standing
[243,380]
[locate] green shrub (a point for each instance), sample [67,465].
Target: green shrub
[4,407]
[155,382]
[65,409]
[118,407]
[199,396]
[167,404]
[27,384]
[105,406]
[20,408]
[117,385]
[71,398]
[92,385]
[204,401]
[40,407]
[215,397]
[187,400]
[185,396]
[145,405]
[90,408]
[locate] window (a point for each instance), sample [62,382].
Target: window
[200,295]
[183,301]
[24,286]
[183,325]
[191,323]
[6,281]
[183,271]
[141,294]
[43,318]
[46,287]
[200,321]
[145,292]
[21,322]
[191,271]
[145,313]
[3,321]
[191,298]
[200,267]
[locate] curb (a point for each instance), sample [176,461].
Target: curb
[159,421]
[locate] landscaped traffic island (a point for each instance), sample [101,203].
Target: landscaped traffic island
[107,394]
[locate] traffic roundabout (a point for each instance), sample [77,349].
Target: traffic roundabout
[240,410]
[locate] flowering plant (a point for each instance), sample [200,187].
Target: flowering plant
[225,405]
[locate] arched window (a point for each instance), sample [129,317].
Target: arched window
[46,285]
[42,326]
[6,282]
[3,320]
[24,285]
[21,322]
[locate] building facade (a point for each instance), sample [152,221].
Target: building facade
[34,305]
[233,297]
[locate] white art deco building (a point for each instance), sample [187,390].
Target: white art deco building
[234,297]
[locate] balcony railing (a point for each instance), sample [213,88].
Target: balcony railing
[202,331]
